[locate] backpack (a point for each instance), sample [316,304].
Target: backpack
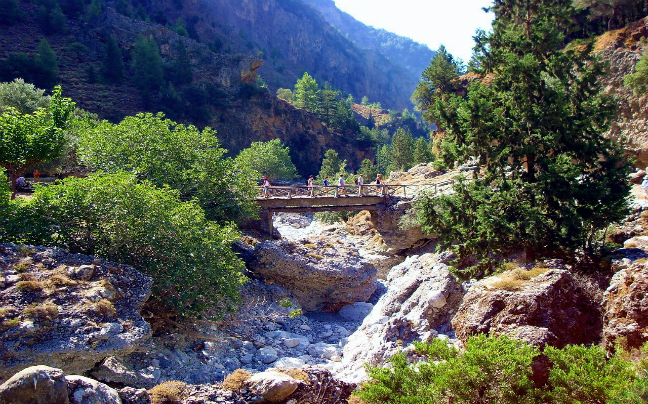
[356,181]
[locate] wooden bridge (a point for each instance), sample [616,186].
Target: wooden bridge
[372,197]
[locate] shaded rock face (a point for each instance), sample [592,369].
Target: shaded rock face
[421,299]
[626,307]
[67,310]
[549,309]
[320,276]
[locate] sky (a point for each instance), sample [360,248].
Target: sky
[430,22]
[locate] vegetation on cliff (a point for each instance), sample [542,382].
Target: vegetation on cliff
[550,181]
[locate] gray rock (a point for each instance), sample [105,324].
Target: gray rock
[356,311]
[267,355]
[247,359]
[231,364]
[291,342]
[273,386]
[83,390]
[289,363]
[324,350]
[35,385]
[113,370]
[131,395]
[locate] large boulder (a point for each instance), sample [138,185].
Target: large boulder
[625,306]
[83,390]
[321,275]
[67,310]
[273,386]
[421,298]
[550,309]
[35,385]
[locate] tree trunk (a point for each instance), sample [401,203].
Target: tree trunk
[13,186]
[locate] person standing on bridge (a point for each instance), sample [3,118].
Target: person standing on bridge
[266,187]
[309,184]
[340,186]
[360,184]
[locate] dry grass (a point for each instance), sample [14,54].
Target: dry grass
[21,267]
[310,246]
[25,251]
[60,280]
[6,312]
[355,400]
[172,392]
[42,311]
[297,374]
[236,380]
[30,286]
[104,308]
[314,255]
[514,279]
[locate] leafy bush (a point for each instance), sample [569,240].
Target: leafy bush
[638,81]
[178,156]
[271,158]
[22,96]
[115,217]
[499,370]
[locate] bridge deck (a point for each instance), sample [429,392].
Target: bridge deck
[320,203]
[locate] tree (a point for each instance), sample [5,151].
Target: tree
[638,81]
[306,93]
[550,180]
[422,151]
[603,8]
[147,64]
[117,217]
[285,94]
[168,154]
[51,17]
[332,166]
[402,151]
[112,65]
[328,104]
[23,97]
[78,49]
[383,159]
[30,139]
[440,76]
[369,170]
[45,62]
[182,73]
[270,158]
[9,12]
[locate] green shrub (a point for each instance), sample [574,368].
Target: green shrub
[115,217]
[638,81]
[271,158]
[499,370]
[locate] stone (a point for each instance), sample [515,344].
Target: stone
[273,386]
[130,395]
[246,359]
[637,242]
[356,311]
[409,310]
[323,350]
[35,385]
[637,176]
[289,363]
[83,390]
[267,354]
[113,370]
[83,332]
[625,307]
[309,272]
[291,342]
[550,309]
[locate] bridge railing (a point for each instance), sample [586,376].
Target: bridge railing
[384,190]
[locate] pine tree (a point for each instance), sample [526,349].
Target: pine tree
[383,159]
[147,64]
[550,180]
[112,66]
[306,93]
[369,170]
[332,166]
[422,151]
[402,151]
[47,65]
[182,72]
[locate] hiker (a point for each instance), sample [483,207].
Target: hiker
[360,184]
[309,184]
[340,186]
[644,186]
[266,187]
[325,183]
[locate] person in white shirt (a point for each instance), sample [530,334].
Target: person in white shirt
[360,184]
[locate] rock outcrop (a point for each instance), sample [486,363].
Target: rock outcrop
[321,276]
[550,309]
[626,307]
[35,385]
[67,310]
[421,298]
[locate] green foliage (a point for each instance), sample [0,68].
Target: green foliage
[24,97]
[422,151]
[29,139]
[369,170]
[120,219]
[51,18]
[46,65]
[491,370]
[181,69]
[270,158]
[78,49]
[167,154]
[306,93]
[147,66]
[402,151]
[94,10]
[112,65]
[383,159]
[638,81]
[285,94]
[438,76]
[551,180]
[332,166]
[9,12]
[499,370]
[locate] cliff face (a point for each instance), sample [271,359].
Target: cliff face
[411,56]
[293,38]
[623,49]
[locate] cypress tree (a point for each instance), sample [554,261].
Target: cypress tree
[46,65]
[112,66]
